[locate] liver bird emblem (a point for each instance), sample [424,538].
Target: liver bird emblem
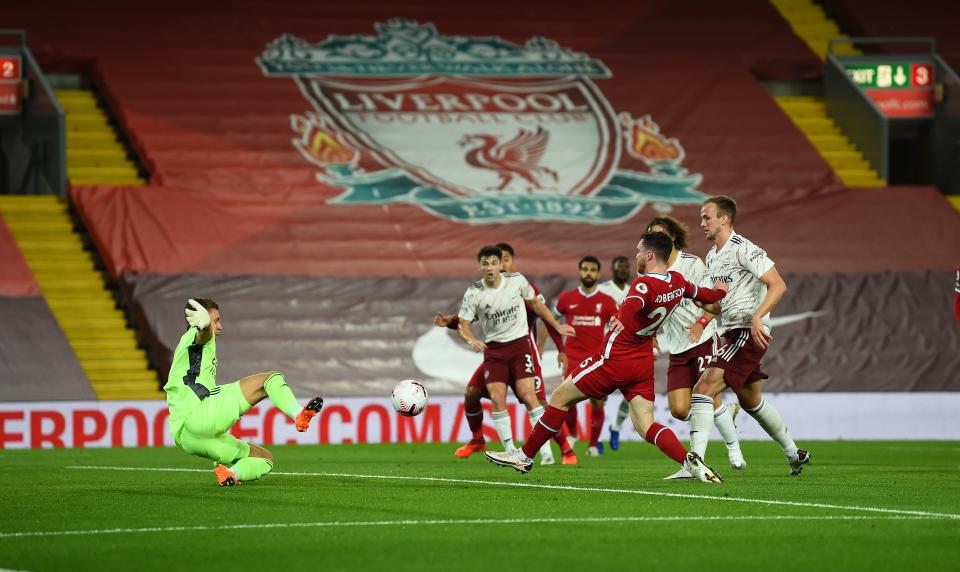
[518,157]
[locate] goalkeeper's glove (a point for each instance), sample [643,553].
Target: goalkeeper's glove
[197,316]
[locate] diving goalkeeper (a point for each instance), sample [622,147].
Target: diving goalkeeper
[202,412]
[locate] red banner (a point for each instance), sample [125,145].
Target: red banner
[903,102]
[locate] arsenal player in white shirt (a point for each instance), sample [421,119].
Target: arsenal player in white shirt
[497,301]
[754,287]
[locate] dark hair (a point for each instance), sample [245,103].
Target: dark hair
[207,303]
[489,250]
[506,248]
[674,228]
[726,206]
[619,259]
[660,243]
[588,258]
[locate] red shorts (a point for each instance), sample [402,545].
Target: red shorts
[739,358]
[686,368]
[508,362]
[597,378]
[477,381]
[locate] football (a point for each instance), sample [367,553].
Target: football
[409,398]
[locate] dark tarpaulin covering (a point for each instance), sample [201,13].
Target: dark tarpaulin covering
[138,230]
[340,336]
[36,362]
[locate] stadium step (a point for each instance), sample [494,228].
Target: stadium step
[94,154]
[809,114]
[811,24]
[96,329]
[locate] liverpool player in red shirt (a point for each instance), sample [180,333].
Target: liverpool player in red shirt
[626,362]
[589,311]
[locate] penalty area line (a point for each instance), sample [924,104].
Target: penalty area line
[880,510]
[447,522]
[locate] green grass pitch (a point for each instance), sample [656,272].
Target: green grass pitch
[857,506]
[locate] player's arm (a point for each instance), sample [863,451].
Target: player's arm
[451,321]
[695,330]
[198,317]
[548,318]
[776,288]
[467,336]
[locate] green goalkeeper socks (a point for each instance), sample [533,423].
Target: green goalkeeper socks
[281,396]
[251,468]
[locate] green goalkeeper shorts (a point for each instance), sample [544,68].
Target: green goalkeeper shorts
[205,432]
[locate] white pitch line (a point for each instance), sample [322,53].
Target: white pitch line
[340,523]
[567,488]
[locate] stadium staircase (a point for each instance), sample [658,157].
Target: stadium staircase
[106,348]
[94,155]
[809,114]
[96,329]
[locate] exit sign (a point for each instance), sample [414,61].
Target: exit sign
[891,75]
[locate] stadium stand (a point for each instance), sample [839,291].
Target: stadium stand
[337,293]
[36,362]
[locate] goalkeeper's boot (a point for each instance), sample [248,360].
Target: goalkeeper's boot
[513,458]
[308,412]
[226,477]
[796,465]
[475,446]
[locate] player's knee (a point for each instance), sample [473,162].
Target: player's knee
[680,411]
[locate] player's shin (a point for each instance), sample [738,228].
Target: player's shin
[622,415]
[666,440]
[769,418]
[475,422]
[596,424]
[251,468]
[547,427]
[281,396]
[701,423]
[504,427]
[723,419]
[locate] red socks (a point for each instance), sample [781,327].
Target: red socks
[666,441]
[571,421]
[548,426]
[596,424]
[475,422]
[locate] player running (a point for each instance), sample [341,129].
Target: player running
[755,287]
[626,362]
[202,412]
[477,390]
[497,300]
[589,311]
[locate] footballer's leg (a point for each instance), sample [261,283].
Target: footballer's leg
[701,409]
[257,463]
[723,415]
[473,411]
[767,416]
[597,415]
[622,413]
[501,416]
[561,400]
[260,386]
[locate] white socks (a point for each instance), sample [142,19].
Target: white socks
[723,419]
[504,427]
[769,418]
[701,423]
[622,415]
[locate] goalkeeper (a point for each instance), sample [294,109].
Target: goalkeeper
[202,412]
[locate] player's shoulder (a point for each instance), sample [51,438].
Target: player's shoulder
[478,285]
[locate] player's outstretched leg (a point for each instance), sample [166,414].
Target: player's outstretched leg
[473,411]
[522,459]
[274,386]
[250,468]
[622,414]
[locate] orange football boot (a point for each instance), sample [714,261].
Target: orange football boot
[307,413]
[226,477]
[470,448]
